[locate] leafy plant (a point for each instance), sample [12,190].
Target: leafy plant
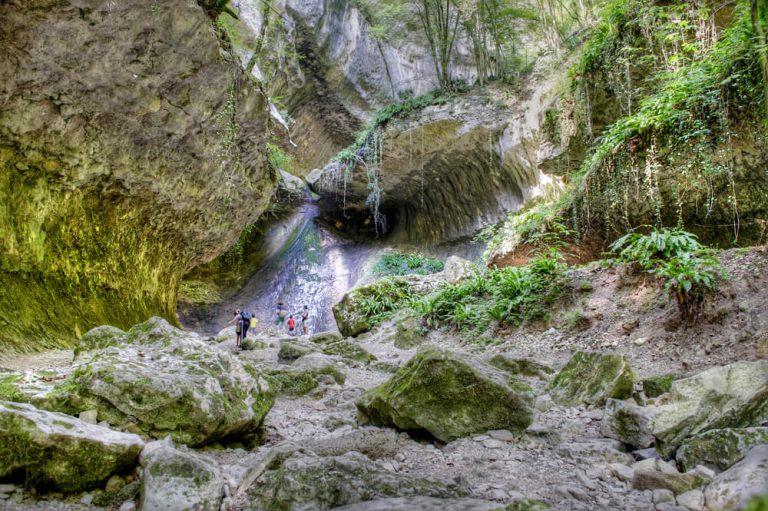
[511,296]
[687,269]
[216,7]
[405,264]
[383,298]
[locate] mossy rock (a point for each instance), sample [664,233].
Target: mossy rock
[592,378]
[720,448]
[627,422]
[292,349]
[448,395]
[9,388]
[732,396]
[100,337]
[54,448]
[409,333]
[352,312]
[521,366]
[302,376]
[349,350]
[326,337]
[307,481]
[178,479]
[249,344]
[655,386]
[163,381]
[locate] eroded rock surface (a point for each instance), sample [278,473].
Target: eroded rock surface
[592,378]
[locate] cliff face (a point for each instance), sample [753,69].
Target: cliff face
[130,149]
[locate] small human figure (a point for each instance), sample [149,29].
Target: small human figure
[245,320]
[238,321]
[305,321]
[280,313]
[291,325]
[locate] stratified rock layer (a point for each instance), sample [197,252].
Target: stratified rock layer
[450,396]
[53,448]
[131,151]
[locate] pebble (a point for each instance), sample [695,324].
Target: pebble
[662,495]
[693,500]
[128,505]
[87,499]
[640,341]
[7,488]
[89,416]
[493,444]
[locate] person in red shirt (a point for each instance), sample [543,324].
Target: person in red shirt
[291,325]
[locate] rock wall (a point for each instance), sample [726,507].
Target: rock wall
[131,151]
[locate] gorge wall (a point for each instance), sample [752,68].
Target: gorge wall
[131,150]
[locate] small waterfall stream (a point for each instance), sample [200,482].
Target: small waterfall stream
[310,266]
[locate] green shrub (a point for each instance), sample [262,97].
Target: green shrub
[383,298]
[407,264]
[687,269]
[511,296]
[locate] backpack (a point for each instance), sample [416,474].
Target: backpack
[245,316]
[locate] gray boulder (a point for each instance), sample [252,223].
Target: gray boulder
[303,374]
[430,392]
[291,349]
[164,381]
[720,448]
[655,474]
[732,396]
[592,378]
[53,448]
[179,479]
[732,489]
[521,366]
[628,422]
[305,482]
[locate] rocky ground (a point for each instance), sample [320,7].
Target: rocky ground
[576,435]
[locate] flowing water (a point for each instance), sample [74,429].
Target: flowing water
[309,265]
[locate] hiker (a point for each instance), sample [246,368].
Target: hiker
[281,312]
[291,325]
[245,320]
[305,321]
[238,321]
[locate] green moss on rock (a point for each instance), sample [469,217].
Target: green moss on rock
[449,396]
[655,386]
[592,378]
[720,448]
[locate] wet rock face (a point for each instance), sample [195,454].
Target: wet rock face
[162,381]
[430,393]
[131,151]
[53,448]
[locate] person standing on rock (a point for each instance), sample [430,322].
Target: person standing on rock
[281,312]
[305,321]
[238,321]
[291,325]
[245,320]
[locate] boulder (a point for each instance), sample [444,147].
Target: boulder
[325,337]
[450,396]
[409,333]
[53,448]
[732,489]
[627,422]
[732,396]
[656,474]
[720,448]
[179,479]
[348,350]
[291,349]
[302,376]
[99,337]
[305,481]
[521,366]
[437,504]
[592,378]
[163,381]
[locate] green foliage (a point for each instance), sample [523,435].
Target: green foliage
[647,250]
[759,503]
[511,296]
[684,265]
[407,264]
[278,159]
[216,7]
[382,298]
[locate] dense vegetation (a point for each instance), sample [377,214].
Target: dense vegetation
[397,264]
